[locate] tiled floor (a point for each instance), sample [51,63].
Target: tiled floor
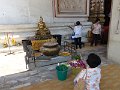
[109,81]
[16,64]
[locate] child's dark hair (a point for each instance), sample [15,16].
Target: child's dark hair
[78,23]
[93,60]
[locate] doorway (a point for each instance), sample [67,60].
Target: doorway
[101,9]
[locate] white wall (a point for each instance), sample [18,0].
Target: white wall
[25,11]
[39,8]
[14,11]
[29,11]
[114,38]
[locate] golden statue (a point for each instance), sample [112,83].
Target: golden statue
[41,24]
[42,32]
[42,35]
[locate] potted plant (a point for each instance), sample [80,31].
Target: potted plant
[62,72]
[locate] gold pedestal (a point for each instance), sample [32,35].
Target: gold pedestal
[36,44]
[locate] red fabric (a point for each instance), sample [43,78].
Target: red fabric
[105,34]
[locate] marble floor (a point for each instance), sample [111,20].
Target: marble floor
[15,75]
[12,63]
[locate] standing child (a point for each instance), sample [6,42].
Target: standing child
[92,74]
[96,31]
[77,34]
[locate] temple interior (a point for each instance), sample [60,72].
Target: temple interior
[36,38]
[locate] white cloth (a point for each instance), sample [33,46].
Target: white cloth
[77,31]
[92,79]
[96,29]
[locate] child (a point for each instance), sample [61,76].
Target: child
[96,31]
[78,34]
[92,74]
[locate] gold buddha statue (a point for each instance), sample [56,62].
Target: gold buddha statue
[42,32]
[41,24]
[42,36]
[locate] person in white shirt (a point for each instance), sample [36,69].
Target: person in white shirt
[92,74]
[77,34]
[96,31]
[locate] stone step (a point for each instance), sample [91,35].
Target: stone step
[52,61]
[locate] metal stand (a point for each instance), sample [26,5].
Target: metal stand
[8,40]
